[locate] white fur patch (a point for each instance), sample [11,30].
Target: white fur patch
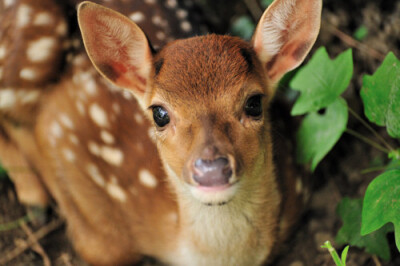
[139,118]
[62,28]
[160,35]
[66,121]
[56,130]
[98,115]
[107,137]
[94,148]
[112,155]
[8,3]
[186,26]
[171,3]
[28,97]
[94,173]
[74,139]
[24,15]
[28,74]
[181,13]
[41,50]
[7,98]
[69,155]
[80,107]
[147,179]
[137,17]
[115,190]
[43,19]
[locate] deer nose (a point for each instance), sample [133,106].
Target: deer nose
[212,173]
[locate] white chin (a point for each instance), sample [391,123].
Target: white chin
[214,195]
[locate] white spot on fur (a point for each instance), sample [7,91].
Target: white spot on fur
[28,74]
[91,87]
[2,52]
[157,20]
[150,2]
[66,121]
[171,3]
[8,3]
[81,107]
[62,28]
[94,173]
[24,15]
[137,17]
[152,134]
[139,118]
[112,155]
[43,19]
[160,35]
[27,97]
[98,115]
[56,130]
[94,148]
[107,137]
[116,108]
[127,95]
[115,190]
[147,179]
[41,49]
[181,13]
[68,155]
[7,98]
[74,139]
[186,26]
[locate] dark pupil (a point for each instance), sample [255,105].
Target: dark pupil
[253,106]
[160,116]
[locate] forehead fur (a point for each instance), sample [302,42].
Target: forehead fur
[206,66]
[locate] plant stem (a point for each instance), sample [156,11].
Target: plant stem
[373,169]
[333,253]
[367,140]
[390,148]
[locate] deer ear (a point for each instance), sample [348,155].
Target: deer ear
[117,47]
[285,34]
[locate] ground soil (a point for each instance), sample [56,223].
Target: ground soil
[339,174]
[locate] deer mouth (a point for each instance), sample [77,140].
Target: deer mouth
[214,195]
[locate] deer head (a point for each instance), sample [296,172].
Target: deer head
[207,96]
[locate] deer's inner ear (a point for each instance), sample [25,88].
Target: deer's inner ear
[117,47]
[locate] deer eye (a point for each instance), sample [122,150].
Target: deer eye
[160,116]
[253,107]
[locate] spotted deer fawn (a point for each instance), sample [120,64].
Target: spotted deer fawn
[183,170]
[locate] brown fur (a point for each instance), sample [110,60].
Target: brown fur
[125,186]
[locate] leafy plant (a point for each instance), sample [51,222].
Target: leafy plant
[338,261]
[321,82]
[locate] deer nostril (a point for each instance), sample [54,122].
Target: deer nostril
[212,172]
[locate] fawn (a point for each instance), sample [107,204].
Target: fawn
[195,183]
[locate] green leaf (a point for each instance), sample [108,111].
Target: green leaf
[318,133]
[321,81]
[382,204]
[381,95]
[344,254]
[361,33]
[243,27]
[376,243]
